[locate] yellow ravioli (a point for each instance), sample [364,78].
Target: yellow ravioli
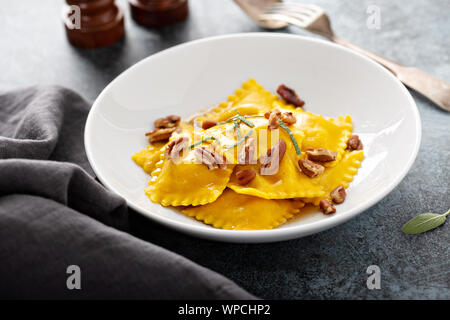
[242,212]
[187,182]
[341,174]
[331,134]
[287,183]
[147,158]
[226,134]
[215,196]
[250,99]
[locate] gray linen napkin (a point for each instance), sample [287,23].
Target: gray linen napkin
[54,214]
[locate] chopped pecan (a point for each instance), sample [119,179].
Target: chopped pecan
[326,207]
[247,152]
[310,168]
[288,118]
[338,194]
[167,122]
[212,159]
[273,119]
[160,134]
[321,155]
[354,143]
[245,176]
[208,124]
[204,156]
[273,122]
[271,161]
[290,96]
[175,147]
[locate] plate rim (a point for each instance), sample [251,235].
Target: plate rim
[257,236]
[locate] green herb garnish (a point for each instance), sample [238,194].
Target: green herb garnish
[202,141]
[424,222]
[285,127]
[250,116]
[248,123]
[229,120]
[238,129]
[240,140]
[254,116]
[241,118]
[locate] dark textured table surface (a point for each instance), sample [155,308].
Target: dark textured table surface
[331,264]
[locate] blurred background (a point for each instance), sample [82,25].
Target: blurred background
[34,48]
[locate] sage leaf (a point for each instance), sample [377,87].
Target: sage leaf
[291,135]
[424,222]
[237,128]
[240,140]
[192,146]
[248,123]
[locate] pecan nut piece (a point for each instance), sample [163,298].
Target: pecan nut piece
[290,96]
[326,207]
[273,120]
[208,124]
[160,134]
[205,156]
[245,176]
[310,168]
[271,161]
[167,122]
[321,155]
[338,194]
[175,147]
[288,118]
[247,153]
[210,158]
[354,143]
[268,113]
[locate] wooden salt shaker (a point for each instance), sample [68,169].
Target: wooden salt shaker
[93,23]
[158,13]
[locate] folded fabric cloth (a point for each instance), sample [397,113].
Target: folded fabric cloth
[54,214]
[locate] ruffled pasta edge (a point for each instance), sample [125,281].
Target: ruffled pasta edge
[209,218]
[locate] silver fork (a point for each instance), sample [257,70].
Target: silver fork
[314,19]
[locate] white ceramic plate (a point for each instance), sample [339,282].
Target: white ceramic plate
[181,80]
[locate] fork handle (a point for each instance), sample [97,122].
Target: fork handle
[434,89]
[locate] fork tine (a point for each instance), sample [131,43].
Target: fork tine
[294,13]
[287,7]
[299,15]
[282,17]
[303,7]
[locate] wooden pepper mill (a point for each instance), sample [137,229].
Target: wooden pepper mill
[158,13]
[93,23]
